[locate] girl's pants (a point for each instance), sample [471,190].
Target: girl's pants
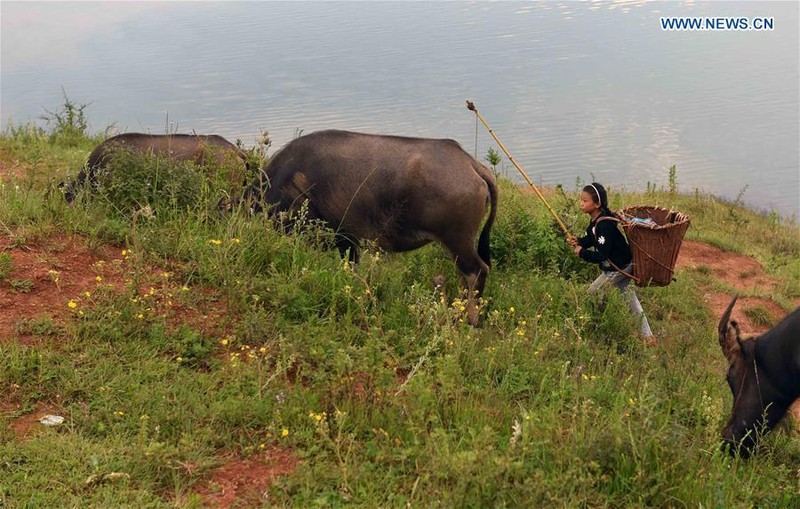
[606,279]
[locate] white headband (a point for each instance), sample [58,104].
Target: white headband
[598,194]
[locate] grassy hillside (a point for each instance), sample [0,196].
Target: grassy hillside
[217,337]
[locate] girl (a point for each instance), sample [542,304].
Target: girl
[611,252]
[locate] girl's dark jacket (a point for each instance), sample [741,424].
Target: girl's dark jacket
[609,244]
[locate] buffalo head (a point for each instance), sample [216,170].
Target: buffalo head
[758,403]
[249,198]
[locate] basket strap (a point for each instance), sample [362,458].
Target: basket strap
[631,276]
[616,220]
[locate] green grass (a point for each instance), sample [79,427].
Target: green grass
[368,373]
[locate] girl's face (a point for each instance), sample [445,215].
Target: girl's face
[588,205]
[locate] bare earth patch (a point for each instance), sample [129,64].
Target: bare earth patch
[45,275]
[243,482]
[739,271]
[27,425]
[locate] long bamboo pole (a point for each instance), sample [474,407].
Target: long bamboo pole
[471,107]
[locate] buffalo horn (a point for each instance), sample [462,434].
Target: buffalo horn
[724,340]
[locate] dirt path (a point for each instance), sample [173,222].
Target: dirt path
[739,271]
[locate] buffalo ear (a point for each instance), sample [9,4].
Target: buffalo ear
[729,333]
[746,343]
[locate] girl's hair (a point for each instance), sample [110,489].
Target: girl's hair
[599,195]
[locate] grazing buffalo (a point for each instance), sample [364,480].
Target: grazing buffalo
[400,192]
[201,149]
[764,377]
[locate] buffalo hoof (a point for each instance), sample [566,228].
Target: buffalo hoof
[472,314]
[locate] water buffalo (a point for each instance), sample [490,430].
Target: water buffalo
[763,375]
[201,149]
[400,192]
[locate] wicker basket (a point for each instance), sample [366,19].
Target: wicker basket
[654,246]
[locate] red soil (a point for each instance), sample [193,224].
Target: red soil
[739,271]
[244,482]
[60,268]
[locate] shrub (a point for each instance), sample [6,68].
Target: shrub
[527,238]
[134,181]
[69,123]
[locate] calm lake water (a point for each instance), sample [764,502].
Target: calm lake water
[573,90]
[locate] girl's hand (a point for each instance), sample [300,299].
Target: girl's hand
[572,241]
[577,250]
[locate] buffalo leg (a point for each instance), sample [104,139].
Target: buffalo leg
[345,243]
[474,271]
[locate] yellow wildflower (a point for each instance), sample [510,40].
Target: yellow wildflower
[285,432]
[98,278]
[72,304]
[224,341]
[215,242]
